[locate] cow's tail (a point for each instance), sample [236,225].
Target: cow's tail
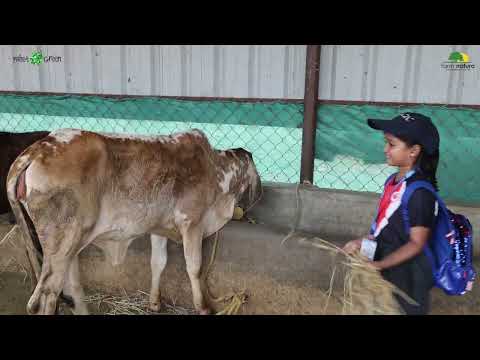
[16,192]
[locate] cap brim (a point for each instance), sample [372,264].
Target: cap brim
[378,124]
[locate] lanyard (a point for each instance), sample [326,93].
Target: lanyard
[392,177]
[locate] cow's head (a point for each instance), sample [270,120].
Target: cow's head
[251,190]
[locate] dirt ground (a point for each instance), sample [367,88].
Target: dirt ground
[282,300]
[267,297]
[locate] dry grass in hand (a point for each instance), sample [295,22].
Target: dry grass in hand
[365,291]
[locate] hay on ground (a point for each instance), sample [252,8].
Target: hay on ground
[131,304]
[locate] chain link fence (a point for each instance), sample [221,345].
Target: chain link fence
[348,154]
[271,130]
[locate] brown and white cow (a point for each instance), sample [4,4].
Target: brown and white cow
[78,187]
[12,145]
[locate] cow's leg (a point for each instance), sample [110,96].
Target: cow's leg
[158,261]
[73,288]
[59,244]
[11,218]
[192,248]
[44,299]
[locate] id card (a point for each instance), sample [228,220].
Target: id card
[368,248]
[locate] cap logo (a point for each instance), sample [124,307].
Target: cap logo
[407,117]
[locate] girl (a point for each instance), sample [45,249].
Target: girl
[412,145]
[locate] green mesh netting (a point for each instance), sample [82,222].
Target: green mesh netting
[349,155]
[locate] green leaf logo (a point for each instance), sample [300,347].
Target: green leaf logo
[36,58]
[457,56]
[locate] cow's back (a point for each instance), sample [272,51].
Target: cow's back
[121,171]
[186,159]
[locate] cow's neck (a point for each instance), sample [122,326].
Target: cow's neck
[229,171]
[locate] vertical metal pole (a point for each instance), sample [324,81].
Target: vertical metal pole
[310,113]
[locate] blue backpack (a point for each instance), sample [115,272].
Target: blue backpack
[450,248]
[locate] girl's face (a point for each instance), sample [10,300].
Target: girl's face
[397,152]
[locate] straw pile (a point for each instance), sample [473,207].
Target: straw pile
[131,304]
[18,260]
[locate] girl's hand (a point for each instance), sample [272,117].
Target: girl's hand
[355,245]
[352,246]
[377,264]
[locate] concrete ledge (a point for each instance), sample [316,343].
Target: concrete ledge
[336,214]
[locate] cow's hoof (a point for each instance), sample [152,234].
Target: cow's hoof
[80,309]
[42,304]
[205,311]
[155,306]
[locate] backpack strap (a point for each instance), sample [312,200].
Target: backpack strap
[411,188]
[404,207]
[409,192]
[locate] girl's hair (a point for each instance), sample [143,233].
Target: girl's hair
[426,164]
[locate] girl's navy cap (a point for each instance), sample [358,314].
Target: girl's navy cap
[417,128]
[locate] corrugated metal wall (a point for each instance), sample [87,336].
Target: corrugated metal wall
[410,73]
[394,73]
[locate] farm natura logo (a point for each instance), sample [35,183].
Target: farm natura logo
[36,58]
[458,61]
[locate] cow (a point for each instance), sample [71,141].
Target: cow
[76,188]
[12,145]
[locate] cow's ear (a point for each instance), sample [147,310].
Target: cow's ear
[248,153]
